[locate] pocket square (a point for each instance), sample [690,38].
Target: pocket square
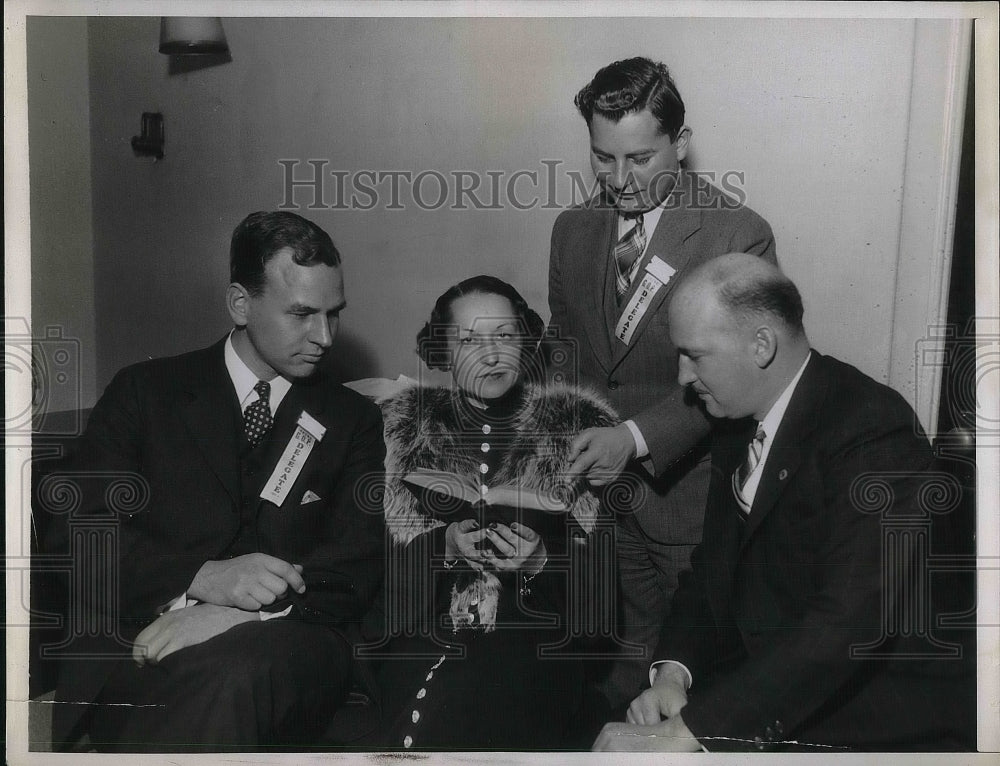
[309,497]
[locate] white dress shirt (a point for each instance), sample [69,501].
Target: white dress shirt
[244,380]
[770,425]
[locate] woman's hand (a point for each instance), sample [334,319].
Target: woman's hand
[517,547]
[461,538]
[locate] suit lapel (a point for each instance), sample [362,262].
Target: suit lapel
[602,241]
[210,414]
[676,224]
[785,456]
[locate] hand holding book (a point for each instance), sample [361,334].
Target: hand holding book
[452,497]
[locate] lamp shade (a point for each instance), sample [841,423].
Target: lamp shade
[187,35]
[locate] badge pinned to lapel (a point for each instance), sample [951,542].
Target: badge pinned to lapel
[782,474]
[308,432]
[657,274]
[309,497]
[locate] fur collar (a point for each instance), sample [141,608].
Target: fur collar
[422,431]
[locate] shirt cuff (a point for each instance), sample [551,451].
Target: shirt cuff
[178,603]
[641,448]
[655,667]
[182,601]
[264,616]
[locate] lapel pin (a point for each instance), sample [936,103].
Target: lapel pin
[782,474]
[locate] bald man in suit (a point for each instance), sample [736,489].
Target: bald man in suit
[780,635]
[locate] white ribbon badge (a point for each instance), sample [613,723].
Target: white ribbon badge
[657,274]
[308,431]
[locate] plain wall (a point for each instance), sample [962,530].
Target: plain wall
[62,261]
[815,115]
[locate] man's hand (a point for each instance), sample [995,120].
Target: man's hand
[601,454]
[185,627]
[246,582]
[670,736]
[518,547]
[461,538]
[663,700]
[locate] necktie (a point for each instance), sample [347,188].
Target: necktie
[748,466]
[257,418]
[627,251]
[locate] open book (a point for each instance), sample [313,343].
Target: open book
[454,497]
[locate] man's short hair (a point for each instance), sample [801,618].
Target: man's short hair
[762,294]
[630,86]
[262,235]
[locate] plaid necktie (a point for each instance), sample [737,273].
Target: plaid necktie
[257,420]
[627,251]
[748,466]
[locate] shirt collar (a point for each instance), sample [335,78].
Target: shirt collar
[244,380]
[650,219]
[774,415]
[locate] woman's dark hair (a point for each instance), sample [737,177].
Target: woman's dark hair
[432,340]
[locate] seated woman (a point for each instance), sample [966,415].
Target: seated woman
[473,604]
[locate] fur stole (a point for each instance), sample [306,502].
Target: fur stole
[422,430]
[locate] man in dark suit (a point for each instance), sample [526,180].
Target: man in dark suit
[238,585]
[614,262]
[790,630]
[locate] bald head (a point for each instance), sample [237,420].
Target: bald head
[737,324]
[750,289]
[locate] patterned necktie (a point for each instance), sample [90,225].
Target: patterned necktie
[627,251]
[748,466]
[257,420]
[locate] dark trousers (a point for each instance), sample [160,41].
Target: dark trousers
[259,685]
[647,578]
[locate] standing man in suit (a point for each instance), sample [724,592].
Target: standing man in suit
[242,578]
[614,261]
[781,636]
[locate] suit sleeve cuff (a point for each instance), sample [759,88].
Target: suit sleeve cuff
[655,667]
[641,448]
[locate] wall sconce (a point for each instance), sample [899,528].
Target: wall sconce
[192,35]
[150,142]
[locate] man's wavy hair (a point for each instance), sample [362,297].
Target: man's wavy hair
[432,340]
[262,235]
[629,86]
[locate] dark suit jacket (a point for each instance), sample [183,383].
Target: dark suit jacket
[767,620]
[640,380]
[174,426]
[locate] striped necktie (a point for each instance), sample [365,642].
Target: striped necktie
[257,420]
[627,252]
[748,466]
